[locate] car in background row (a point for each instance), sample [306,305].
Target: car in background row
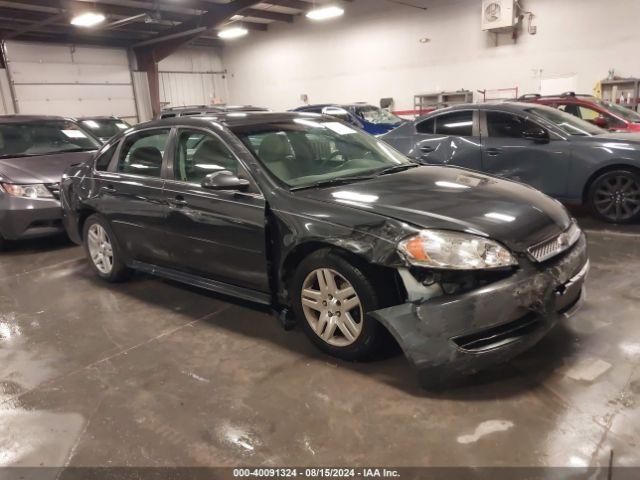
[104,127]
[464,270]
[371,119]
[34,153]
[561,155]
[601,113]
[187,111]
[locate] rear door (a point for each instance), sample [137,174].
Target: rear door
[507,153]
[450,138]
[215,234]
[131,194]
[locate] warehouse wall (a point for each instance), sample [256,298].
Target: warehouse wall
[374,51]
[70,80]
[83,80]
[192,76]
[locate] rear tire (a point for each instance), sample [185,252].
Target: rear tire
[614,196]
[331,297]
[3,244]
[103,251]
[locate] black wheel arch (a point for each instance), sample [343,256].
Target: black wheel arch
[379,273]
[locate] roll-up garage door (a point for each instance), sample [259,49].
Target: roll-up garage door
[70,80]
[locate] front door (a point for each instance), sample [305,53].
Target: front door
[507,152]
[131,193]
[215,234]
[450,139]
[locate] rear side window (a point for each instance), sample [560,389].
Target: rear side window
[459,124]
[142,153]
[507,125]
[105,156]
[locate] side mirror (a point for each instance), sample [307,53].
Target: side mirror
[224,180]
[538,135]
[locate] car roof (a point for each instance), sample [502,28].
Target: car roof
[32,118]
[506,106]
[214,108]
[99,117]
[323,105]
[230,119]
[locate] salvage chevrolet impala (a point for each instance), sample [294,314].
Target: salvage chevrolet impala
[311,216]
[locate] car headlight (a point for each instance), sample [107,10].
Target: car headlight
[455,251]
[27,191]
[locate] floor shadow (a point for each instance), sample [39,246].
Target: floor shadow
[37,245]
[390,367]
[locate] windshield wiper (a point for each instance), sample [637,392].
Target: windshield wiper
[396,169]
[333,182]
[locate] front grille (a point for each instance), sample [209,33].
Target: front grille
[54,188]
[555,246]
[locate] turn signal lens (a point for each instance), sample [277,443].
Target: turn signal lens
[455,251]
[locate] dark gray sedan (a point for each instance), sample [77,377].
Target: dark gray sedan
[557,153]
[34,153]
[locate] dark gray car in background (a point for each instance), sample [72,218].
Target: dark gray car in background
[557,153]
[104,127]
[34,153]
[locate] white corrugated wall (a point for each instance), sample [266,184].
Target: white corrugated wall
[70,80]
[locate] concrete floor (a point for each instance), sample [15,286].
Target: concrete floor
[152,373]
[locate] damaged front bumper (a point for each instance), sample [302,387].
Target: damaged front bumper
[453,335]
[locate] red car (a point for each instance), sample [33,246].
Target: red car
[602,113]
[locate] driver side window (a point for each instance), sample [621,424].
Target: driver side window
[507,125]
[200,154]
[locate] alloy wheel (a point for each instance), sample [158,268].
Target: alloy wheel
[617,198]
[100,248]
[332,307]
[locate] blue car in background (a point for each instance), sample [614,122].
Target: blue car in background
[371,119]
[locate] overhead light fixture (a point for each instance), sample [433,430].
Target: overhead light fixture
[88,19]
[232,32]
[325,13]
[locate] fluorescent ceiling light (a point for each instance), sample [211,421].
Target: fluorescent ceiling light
[324,13]
[87,19]
[233,32]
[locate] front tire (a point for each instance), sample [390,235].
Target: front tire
[331,297]
[615,196]
[103,251]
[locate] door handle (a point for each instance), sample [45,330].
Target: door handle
[494,152]
[427,149]
[178,202]
[109,188]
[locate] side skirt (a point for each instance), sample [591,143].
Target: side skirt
[204,283]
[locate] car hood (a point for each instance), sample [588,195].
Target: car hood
[456,199]
[41,168]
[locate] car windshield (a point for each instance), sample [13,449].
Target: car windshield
[377,115]
[305,152]
[43,137]
[566,122]
[623,112]
[105,127]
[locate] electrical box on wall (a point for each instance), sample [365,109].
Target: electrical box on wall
[498,14]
